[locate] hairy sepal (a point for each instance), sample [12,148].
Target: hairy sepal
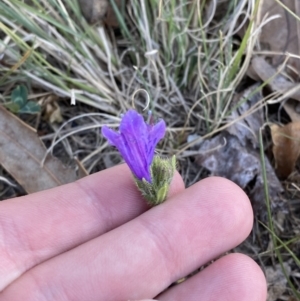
[162,172]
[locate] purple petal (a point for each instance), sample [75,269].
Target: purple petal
[132,151]
[120,142]
[134,133]
[133,122]
[136,141]
[112,137]
[156,133]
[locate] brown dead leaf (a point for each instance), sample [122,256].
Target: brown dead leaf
[21,154]
[286,147]
[234,153]
[53,113]
[225,156]
[279,83]
[281,34]
[93,10]
[111,19]
[101,10]
[277,282]
[246,129]
[292,107]
[276,82]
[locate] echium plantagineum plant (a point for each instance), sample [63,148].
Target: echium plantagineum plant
[136,141]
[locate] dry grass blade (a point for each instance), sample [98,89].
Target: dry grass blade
[82,172]
[276,81]
[281,34]
[21,153]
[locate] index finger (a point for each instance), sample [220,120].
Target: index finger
[37,227]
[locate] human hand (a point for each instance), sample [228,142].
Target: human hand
[95,239]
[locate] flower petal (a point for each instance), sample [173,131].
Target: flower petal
[134,133]
[136,141]
[156,133]
[132,122]
[112,136]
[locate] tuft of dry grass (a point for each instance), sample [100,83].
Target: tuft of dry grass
[188,61]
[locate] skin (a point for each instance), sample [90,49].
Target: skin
[96,239]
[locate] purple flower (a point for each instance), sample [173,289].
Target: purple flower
[136,141]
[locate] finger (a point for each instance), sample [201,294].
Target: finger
[39,226]
[144,256]
[234,277]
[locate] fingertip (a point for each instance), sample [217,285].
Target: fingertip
[249,276]
[177,185]
[216,205]
[230,197]
[233,277]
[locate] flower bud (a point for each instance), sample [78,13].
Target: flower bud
[162,172]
